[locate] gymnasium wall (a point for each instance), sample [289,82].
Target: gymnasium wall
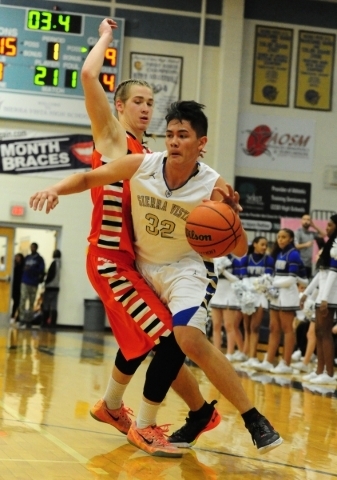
[223,84]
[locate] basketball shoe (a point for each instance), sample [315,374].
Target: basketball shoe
[189,433]
[152,441]
[263,435]
[118,418]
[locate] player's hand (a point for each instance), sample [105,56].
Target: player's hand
[107,26]
[232,198]
[47,197]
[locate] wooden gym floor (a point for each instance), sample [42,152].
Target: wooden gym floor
[49,381]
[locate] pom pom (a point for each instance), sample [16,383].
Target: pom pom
[239,288]
[262,283]
[272,293]
[222,264]
[309,308]
[248,302]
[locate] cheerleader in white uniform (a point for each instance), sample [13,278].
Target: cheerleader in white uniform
[326,306]
[253,265]
[288,267]
[225,306]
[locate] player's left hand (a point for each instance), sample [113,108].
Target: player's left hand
[232,198]
[47,197]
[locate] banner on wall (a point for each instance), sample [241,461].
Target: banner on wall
[315,64]
[163,73]
[266,201]
[272,65]
[275,143]
[27,151]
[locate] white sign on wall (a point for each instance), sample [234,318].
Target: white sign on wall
[163,73]
[275,143]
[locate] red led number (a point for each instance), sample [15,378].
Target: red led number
[108,81]
[8,46]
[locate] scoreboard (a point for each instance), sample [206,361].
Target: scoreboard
[41,57]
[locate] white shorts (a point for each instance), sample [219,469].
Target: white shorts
[288,299]
[225,296]
[186,287]
[261,301]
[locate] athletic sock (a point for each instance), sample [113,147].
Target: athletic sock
[114,394]
[147,414]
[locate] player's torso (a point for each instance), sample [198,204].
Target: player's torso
[159,214]
[111,224]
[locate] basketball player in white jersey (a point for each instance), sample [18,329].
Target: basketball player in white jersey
[165,187]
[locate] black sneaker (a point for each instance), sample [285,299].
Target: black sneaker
[263,435]
[189,433]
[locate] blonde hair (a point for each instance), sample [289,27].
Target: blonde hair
[123,90]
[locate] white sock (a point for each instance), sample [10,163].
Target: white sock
[147,414]
[114,394]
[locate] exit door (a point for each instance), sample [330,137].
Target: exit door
[6,265]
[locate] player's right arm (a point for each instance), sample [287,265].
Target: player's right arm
[108,134]
[122,168]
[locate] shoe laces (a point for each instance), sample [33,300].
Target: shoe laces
[127,411]
[262,427]
[158,433]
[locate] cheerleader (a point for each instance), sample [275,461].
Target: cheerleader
[326,306]
[225,307]
[288,267]
[253,265]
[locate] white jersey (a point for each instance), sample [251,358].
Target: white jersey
[159,214]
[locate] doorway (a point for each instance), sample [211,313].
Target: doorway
[16,238]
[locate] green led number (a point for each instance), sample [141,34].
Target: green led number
[55,77]
[46,76]
[40,74]
[39,20]
[64,20]
[33,19]
[74,79]
[46,21]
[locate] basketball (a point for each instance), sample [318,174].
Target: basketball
[213,229]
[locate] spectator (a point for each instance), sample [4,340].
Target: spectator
[52,288]
[304,240]
[19,260]
[32,276]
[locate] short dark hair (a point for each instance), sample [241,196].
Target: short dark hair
[190,111]
[57,254]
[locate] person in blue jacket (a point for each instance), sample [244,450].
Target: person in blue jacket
[32,276]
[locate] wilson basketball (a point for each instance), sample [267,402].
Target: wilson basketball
[213,229]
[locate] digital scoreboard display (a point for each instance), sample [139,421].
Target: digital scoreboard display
[41,57]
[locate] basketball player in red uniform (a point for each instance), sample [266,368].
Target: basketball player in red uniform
[138,319]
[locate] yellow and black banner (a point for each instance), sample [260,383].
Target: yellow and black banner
[315,63]
[272,65]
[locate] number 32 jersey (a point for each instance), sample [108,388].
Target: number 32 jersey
[159,213]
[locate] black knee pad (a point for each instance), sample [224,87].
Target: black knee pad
[128,367]
[163,369]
